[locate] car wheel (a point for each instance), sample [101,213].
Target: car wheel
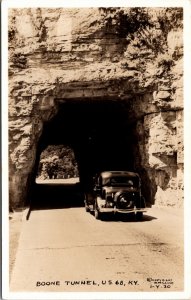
[87,208]
[97,214]
[139,215]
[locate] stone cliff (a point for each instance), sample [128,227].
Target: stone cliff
[130,55]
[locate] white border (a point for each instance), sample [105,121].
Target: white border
[4,149]
[187,147]
[186,4]
[93,3]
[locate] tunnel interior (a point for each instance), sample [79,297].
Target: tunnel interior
[98,131]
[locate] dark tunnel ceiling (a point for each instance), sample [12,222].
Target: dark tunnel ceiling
[97,131]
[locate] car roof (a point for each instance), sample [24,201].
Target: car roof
[107,174]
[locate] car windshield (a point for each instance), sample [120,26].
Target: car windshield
[121,181]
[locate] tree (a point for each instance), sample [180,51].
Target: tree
[57,161]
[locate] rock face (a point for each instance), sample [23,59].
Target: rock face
[133,56]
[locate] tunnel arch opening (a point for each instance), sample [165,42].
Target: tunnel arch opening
[99,132]
[57,162]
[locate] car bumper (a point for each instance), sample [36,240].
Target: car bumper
[118,210]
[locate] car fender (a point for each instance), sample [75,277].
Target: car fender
[100,201]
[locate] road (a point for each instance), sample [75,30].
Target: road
[67,249]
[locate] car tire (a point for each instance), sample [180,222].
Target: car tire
[139,216]
[97,214]
[87,208]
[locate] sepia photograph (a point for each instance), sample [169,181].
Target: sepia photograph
[94,206]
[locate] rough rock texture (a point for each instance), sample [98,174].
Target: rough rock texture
[88,53]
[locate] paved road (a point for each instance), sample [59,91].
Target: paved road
[66,249]
[72,180]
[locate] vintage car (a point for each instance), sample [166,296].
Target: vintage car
[116,192]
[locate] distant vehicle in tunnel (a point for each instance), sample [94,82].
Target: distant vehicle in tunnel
[116,192]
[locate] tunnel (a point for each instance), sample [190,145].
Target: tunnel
[98,131]
[110,94]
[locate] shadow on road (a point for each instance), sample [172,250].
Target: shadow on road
[125,218]
[55,196]
[48,196]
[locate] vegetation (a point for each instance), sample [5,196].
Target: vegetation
[149,25]
[145,31]
[57,162]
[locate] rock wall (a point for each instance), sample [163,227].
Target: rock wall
[130,55]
